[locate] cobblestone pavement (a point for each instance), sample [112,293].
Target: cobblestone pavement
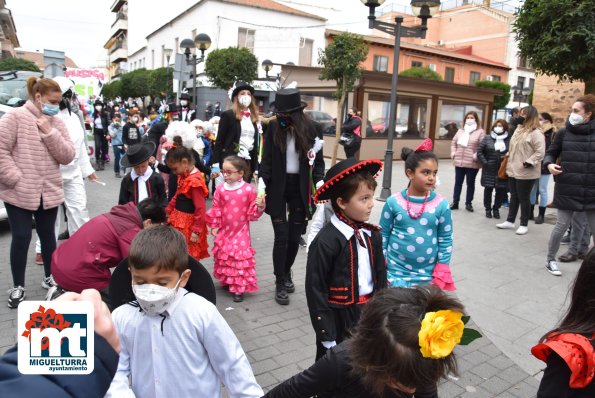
[500,277]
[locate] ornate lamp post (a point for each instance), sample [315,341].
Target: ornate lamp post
[423,10]
[202,41]
[522,93]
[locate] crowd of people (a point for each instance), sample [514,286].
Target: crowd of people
[376,294]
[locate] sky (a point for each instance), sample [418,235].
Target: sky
[80,28]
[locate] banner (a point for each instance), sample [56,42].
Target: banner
[87,82]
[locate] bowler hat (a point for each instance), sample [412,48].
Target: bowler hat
[288,100]
[138,153]
[239,86]
[335,175]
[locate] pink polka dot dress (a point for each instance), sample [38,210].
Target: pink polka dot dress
[231,212]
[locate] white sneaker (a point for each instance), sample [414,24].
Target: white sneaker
[48,282]
[505,225]
[522,230]
[552,268]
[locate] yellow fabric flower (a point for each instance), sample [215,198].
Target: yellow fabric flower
[440,332]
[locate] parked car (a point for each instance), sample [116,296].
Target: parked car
[380,126]
[323,118]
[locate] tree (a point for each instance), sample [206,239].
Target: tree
[226,65]
[558,38]
[341,62]
[500,101]
[135,83]
[112,90]
[161,82]
[18,64]
[421,73]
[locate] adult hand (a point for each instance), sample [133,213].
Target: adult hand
[194,237]
[554,169]
[44,123]
[215,174]
[103,318]
[152,160]
[125,147]
[260,201]
[92,177]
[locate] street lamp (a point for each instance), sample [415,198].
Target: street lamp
[423,10]
[202,41]
[167,52]
[267,65]
[522,93]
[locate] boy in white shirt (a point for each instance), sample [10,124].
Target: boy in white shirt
[174,342]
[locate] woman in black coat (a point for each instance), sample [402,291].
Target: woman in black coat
[238,132]
[100,124]
[291,142]
[491,150]
[574,147]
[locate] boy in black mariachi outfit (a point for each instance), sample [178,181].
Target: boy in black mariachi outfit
[142,182]
[345,261]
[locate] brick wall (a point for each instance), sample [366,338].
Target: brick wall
[556,98]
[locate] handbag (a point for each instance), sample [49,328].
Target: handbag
[346,139]
[502,170]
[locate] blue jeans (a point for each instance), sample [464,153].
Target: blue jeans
[118,153]
[542,186]
[460,174]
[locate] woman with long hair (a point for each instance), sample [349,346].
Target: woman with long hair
[573,147]
[568,350]
[547,126]
[527,148]
[291,164]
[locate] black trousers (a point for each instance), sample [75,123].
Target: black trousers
[520,196]
[101,145]
[345,319]
[351,150]
[288,228]
[487,198]
[462,173]
[21,229]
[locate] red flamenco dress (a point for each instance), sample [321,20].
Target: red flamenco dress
[187,212]
[231,212]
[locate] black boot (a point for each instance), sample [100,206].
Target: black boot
[469,207]
[281,296]
[488,213]
[540,218]
[288,282]
[101,165]
[531,217]
[454,206]
[496,213]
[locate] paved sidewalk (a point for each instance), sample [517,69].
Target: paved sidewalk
[500,277]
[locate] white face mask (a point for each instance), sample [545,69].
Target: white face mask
[498,129]
[99,108]
[575,119]
[154,299]
[245,100]
[134,119]
[470,122]
[183,102]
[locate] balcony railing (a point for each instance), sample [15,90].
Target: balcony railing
[120,16]
[118,45]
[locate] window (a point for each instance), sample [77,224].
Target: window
[473,77]
[496,78]
[176,45]
[451,117]
[449,74]
[523,63]
[306,52]
[193,34]
[380,63]
[520,82]
[246,38]
[531,84]
[152,59]
[162,55]
[417,63]
[412,117]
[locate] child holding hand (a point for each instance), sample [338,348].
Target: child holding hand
[235,204]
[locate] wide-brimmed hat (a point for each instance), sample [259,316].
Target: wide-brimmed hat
[138,153]
[335,175]
[239,86]
[288,100]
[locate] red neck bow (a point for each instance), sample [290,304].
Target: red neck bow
[245,113]
[426,145]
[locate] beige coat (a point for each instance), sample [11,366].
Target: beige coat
[525,147]
[30,159]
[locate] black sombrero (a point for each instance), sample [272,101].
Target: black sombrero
[338,172]
[137,154]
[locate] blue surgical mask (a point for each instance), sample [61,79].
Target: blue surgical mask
[284,121]
[50,110]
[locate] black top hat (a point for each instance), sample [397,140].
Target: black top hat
[137,154]
[98,102]
[288,100]
[239,86]
[185,96]
[338,172]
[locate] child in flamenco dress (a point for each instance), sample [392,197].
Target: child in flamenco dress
[235,204]
[417,226]
[187,209]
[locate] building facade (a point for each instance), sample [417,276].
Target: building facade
[117,44]
[8,33]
